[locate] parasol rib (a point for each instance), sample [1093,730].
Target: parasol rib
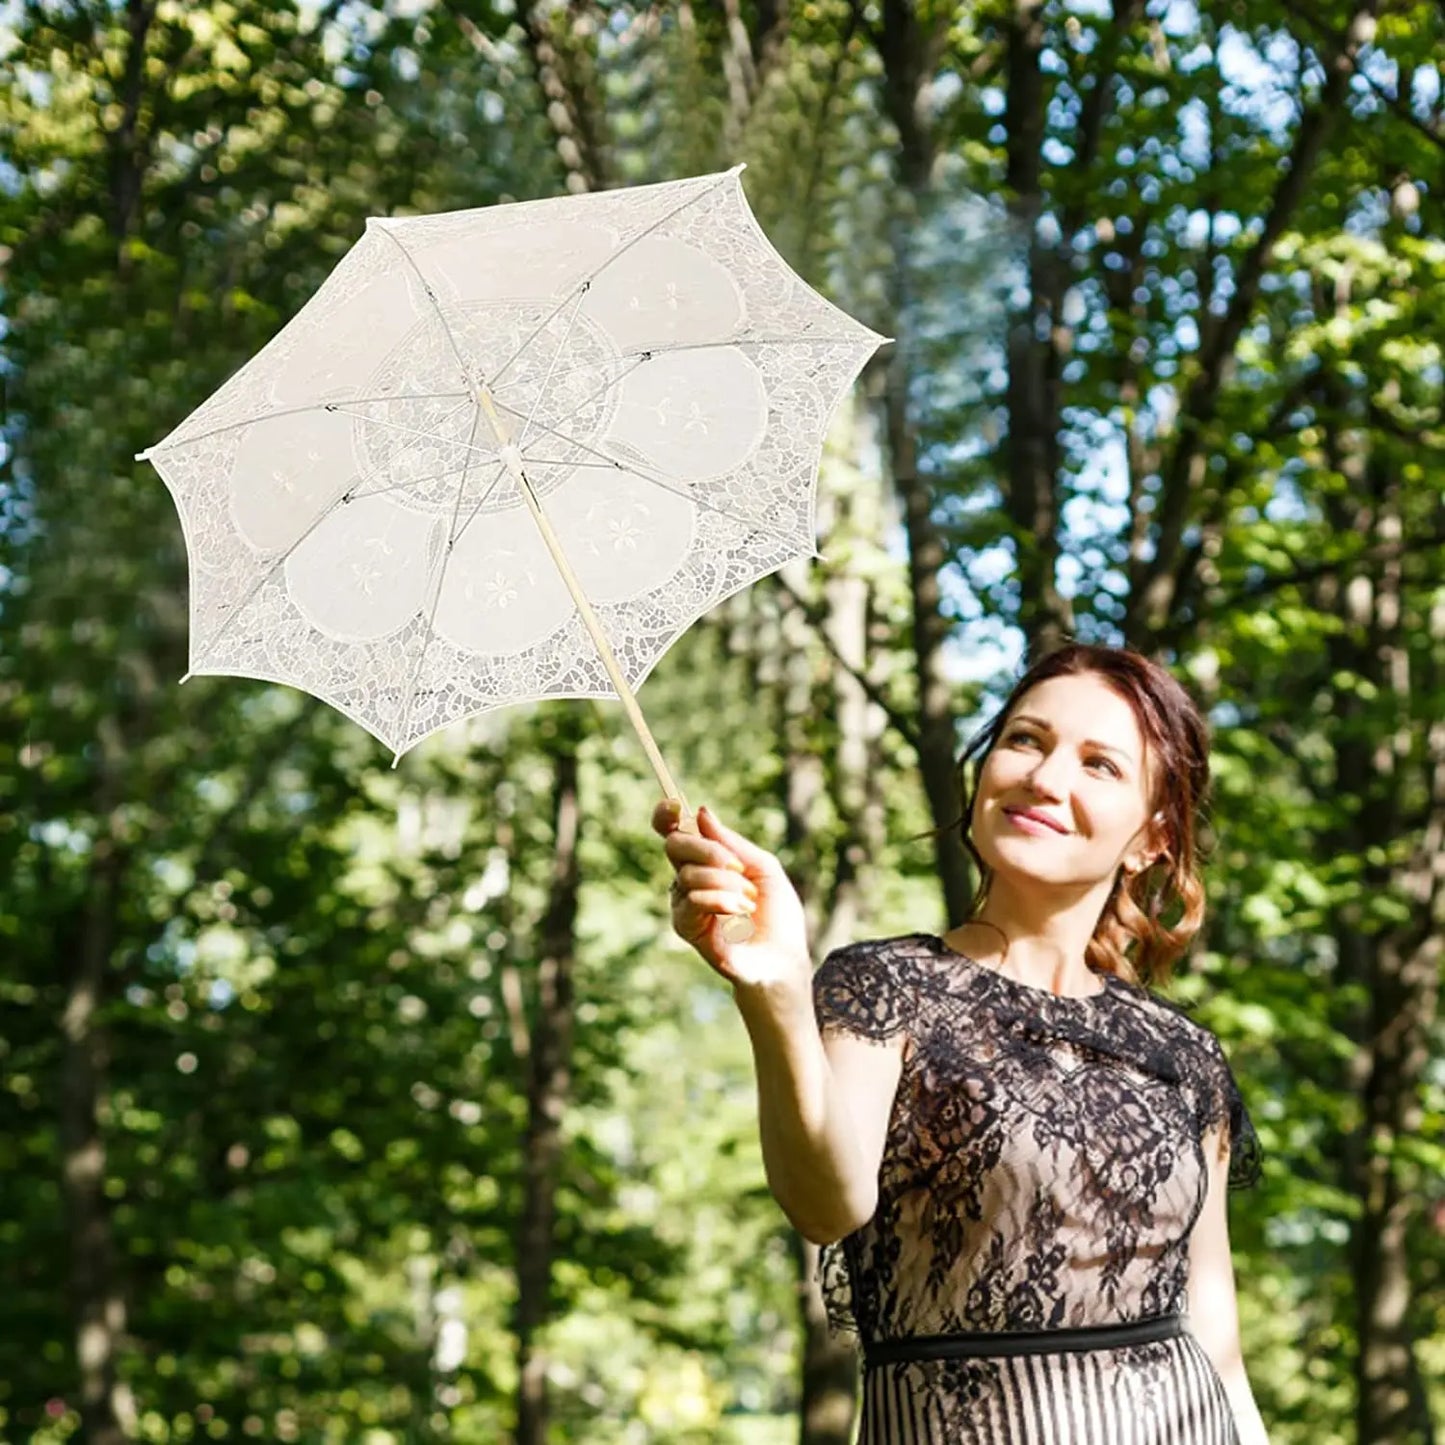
[340,499]
[513,459]
[622,250]
[201,436]
[432,297]
[738,342]
[410,695]
[412,482]
[656,478]
[552,366]
[411,431]
[611,462]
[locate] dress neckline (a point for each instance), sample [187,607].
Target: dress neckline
[1106,980]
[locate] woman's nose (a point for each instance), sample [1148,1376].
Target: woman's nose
[1049,775]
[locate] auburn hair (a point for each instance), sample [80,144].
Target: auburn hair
[1151,916]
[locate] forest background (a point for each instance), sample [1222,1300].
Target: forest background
[344,1104]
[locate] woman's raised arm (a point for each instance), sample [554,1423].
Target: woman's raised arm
[822,1110]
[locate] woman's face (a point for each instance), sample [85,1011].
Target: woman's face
[1072,755]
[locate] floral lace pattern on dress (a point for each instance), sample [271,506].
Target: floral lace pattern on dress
[1045,1156]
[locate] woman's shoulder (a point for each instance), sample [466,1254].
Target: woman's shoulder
[897,955]
[922,963]
[869,986]
[1202,1062]
[1172,1018]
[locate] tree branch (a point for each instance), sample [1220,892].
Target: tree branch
[810,208]
[1313,571]
[1396,102]
[126,143]
[558,43]
[1186,576]
[1093,113]
[1152,584]
[817,618]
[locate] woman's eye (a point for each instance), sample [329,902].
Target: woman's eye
[1022,735]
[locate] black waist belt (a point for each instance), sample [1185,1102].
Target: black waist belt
[1022,1342]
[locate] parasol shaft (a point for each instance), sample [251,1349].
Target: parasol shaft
[512,457]
[736,929]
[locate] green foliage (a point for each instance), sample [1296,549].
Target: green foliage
[318,971]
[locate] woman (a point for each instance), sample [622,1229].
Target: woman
[1015,1154]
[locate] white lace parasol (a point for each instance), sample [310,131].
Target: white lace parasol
[510,454]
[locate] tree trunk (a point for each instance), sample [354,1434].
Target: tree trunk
[829,1402]
[857,512]
[909,50]
[747,57]
[1391,1406]
[1403,992]
[1397,968]
[828,1378]
[561,43]
[549,1082]
[97,1301]
[99,1311]
[829,1383]
[1032,455]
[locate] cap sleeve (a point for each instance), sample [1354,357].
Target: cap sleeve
[860,990]
[1221,1102]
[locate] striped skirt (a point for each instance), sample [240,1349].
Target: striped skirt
[1143,1383]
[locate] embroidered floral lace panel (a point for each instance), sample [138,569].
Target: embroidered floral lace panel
[1044,1162]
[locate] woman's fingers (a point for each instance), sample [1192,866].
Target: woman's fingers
[734,902]
[697,882]
[756,861]
[718,900]
[710,873]
[686,848]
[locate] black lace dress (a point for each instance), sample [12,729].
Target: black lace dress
[1043,1169]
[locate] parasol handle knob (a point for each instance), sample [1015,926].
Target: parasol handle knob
[735,928]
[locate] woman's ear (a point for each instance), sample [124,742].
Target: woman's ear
[1153,847]
[1159,838]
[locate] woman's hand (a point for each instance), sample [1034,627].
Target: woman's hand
[721,874]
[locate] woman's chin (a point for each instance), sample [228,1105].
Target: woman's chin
[1024,853]
[1025,874]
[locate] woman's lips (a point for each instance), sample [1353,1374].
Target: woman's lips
[1027,823]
